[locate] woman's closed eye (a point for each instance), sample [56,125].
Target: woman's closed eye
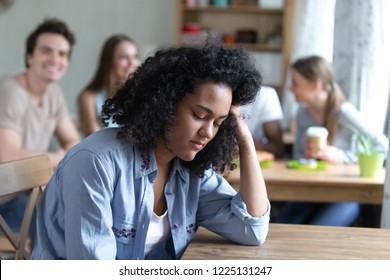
[198,117]
[206,118]
[218,124]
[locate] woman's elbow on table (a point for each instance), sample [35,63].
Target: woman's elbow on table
[260,237]
[253,237]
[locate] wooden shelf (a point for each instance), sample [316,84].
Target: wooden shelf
[235,9]
[252,47]
[259,47]
[272,29]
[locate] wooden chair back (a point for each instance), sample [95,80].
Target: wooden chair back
[28,175]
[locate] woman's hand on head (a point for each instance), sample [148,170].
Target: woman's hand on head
[252,186]
[242,130]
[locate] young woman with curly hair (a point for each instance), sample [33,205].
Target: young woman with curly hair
[139,191]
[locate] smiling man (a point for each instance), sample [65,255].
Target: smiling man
[32,107]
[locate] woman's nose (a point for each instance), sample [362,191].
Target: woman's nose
[133,65]
[206,130]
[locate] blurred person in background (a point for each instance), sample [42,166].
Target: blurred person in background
[323,104]
[263,117]
[33,108]
[118,59]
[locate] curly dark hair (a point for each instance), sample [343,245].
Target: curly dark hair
[145,105]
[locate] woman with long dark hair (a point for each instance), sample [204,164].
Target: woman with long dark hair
[118,59]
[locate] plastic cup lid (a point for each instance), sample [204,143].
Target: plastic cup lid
[317,131]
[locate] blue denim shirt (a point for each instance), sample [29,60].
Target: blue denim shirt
[99,202]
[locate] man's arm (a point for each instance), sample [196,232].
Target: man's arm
[67,133]
[273,133]
[11,148]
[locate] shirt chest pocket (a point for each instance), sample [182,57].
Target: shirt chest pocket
[125,234]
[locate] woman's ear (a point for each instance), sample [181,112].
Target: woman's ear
[318,85]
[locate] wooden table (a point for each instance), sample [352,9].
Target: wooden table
[298,242]
[335,183]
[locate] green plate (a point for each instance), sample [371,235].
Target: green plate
[307,164]
[266,164]
[263,164]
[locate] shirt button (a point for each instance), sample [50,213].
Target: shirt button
[169,193]
[175,226]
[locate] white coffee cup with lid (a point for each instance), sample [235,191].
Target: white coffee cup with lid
[317,137]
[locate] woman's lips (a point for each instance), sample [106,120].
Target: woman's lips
[197,145]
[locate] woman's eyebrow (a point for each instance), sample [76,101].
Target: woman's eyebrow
[209,111]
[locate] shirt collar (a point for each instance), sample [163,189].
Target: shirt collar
[146,164]
[178,167]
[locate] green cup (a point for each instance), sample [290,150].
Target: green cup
[371,164]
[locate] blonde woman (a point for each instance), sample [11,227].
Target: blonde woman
[322,103]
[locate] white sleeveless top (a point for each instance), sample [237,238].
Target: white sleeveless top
[158,231]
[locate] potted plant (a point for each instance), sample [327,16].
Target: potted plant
[370,159]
